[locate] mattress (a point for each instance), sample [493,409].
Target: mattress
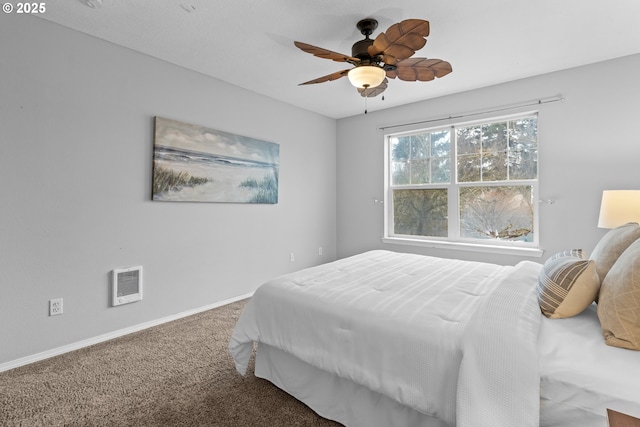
[581,376]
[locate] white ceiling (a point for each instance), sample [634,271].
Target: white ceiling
[249,43]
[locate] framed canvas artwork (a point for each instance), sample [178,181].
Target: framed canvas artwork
[193,163]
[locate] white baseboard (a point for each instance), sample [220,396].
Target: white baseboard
[111,335]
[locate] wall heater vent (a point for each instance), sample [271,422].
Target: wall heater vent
[126,285]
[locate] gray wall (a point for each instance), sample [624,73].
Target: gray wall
[587,143]
[76,134]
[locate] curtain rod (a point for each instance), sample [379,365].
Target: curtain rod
[495,110]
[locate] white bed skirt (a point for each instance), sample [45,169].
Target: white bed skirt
[333,397]
[350,404]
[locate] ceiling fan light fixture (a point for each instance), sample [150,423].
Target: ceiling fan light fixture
[366,76]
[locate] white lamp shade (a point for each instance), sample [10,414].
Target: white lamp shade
[366,76]
[619,207]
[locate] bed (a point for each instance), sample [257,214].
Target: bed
[393,339]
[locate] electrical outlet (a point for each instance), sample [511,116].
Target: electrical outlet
[292,257]
[55,307]
[320,251]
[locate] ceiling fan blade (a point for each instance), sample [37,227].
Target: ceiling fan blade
[401,40]
[327,78]
[327,54]
[420,69]
[370,92]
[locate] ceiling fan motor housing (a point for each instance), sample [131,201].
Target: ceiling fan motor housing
[360,49]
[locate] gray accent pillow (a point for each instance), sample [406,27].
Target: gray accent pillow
[567,284]
[619,304]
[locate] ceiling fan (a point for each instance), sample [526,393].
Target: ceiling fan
[388,55]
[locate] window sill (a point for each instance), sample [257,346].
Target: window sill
[462,246]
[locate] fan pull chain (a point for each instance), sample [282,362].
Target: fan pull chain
[365,103]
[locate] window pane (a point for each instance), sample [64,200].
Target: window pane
[468,139]
[441,143]
[420,171]
[501,212]
[494,166]
[422,158]
[494,152]
[469,149]
[420,212]
[523,148]
[494,137]
[399,173]
[506,150]
[400,147]
[441,160]
[420,153]
[440,169]
[469,168]
[420,146]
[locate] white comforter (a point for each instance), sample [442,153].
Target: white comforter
[449,338]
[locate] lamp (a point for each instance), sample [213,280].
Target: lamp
[619,207]
[366,76]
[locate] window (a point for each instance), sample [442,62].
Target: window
[472,183]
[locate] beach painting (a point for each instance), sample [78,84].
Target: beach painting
[193,163]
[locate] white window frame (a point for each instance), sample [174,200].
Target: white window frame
[454,241]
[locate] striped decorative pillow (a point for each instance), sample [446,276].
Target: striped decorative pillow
[567,284]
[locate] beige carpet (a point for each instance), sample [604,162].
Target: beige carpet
[176,374]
